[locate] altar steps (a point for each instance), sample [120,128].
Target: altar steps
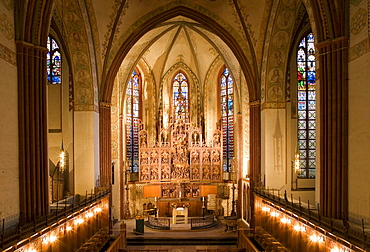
[178,241]
[179,227]
[180,220]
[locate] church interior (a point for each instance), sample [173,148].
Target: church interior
[207,125]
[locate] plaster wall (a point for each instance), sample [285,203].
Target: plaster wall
[9,175]
[86,141]
[359,112]
[359,137]
[273,139]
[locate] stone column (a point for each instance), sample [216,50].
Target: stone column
[255,150]
[333,92]
[239,163]
[255,142]
[122,169]
[32,116]
[105,144]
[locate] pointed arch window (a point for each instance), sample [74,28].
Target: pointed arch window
[53,62]
[180,93]
[306,90]
[227,117]
[132,121]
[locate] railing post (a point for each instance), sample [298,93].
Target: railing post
[3,230]
[363,233]
[73,202]
[300,206]
[291,197]
[309,212]
[34,222]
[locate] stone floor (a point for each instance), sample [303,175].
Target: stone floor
[215,232]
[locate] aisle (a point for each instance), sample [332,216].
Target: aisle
[181,240]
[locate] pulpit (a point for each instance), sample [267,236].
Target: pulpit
[180,211]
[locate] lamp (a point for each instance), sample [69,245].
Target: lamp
[296,161]
[62,158]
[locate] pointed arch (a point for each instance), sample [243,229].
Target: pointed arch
[249,68]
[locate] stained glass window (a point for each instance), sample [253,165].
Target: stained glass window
[53,62]
[306,66]
[132,122]
[180,97]
[227,118]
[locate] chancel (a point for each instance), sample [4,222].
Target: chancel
[184,125]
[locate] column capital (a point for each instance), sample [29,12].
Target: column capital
[104,104]
[325,47]
[255,103]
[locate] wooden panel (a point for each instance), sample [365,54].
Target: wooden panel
[152,191]
[208,189]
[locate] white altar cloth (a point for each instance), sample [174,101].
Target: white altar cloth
[179,211]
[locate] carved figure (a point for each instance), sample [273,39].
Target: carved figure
[194,156]
[215,156]
[206,157]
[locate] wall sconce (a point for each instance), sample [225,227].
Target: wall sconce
[274,214]
[285,220]
[299,228]
[296,161]
[52,238]
[317,238]
[62,159]
[265,209]
[79,221]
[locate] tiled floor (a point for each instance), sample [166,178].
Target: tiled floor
[218,231]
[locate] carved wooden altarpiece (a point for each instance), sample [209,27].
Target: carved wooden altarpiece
[180,156]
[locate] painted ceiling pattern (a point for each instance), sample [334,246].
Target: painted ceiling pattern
[95,31]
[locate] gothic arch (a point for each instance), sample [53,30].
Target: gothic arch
[248,68]
[192,77]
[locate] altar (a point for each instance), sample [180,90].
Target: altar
[180,211]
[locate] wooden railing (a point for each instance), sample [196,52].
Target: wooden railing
[22,231]
[118,244]
[348,233]
[201,221]
[159,221]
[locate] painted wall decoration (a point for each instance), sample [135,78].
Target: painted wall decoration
[274,79]
[77,42]
[6,26]
[358,21]
[8,55]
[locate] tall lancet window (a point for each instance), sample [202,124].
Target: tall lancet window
[53,62]
[132,121]
[180,90]
[227,118]
[306,65]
